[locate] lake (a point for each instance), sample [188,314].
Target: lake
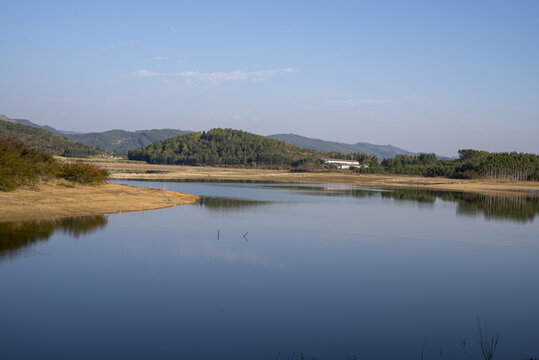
[276,271]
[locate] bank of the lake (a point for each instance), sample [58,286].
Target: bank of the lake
[141,171]
[50,200]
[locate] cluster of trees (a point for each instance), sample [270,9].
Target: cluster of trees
[511,166]
[22,165]
[226,147]
[471,164]
[422,164]
[46,141]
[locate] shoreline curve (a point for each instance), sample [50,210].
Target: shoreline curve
[49,200]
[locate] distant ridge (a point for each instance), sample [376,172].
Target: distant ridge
[44,127]
[44,140]
[380,151]
[122,141]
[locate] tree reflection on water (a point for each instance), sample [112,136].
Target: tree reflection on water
[225,203]
[514,207]
[15,236]
[519,207]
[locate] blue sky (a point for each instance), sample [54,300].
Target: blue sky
[422,75]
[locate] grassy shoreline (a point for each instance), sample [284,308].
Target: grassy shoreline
[140,171]
[62,199]
[55,200]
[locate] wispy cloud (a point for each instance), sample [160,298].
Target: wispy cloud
[351,102]
[143,74]
[213,78]
[122,44]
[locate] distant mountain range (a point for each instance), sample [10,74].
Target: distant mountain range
[45,127]
[44,140]
[380,151]
[121,141]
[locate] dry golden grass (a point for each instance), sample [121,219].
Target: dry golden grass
[61,199]
[138,171]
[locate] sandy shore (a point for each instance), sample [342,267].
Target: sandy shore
[56,200]
[138,171]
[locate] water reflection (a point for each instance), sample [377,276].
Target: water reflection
[329,190]
[223,204]
[514,207]
[16,236]
[368,264]
[518,208]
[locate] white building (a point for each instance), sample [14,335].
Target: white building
[344,164]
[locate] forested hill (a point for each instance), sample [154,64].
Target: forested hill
[380,151]
[224,147]
[45,141]
[121,140]
[44,127]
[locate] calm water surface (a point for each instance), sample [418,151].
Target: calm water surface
[257,270]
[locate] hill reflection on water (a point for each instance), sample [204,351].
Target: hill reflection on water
[15,236]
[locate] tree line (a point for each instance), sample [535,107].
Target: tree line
[471,164]
[228,147]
